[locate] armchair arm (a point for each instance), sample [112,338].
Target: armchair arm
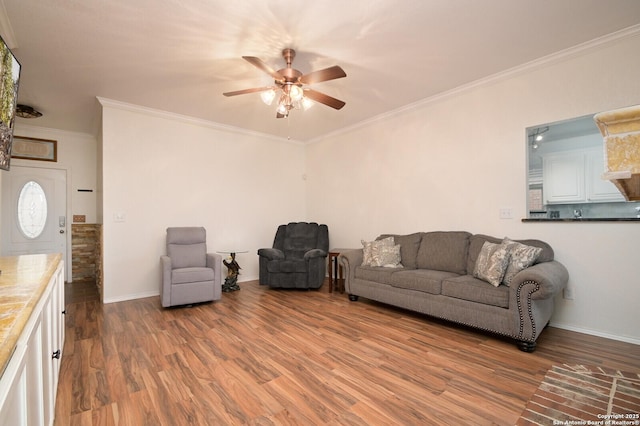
[165,284]
[551,276]
[313,253]
[271,253]
[214,261]
[349,260]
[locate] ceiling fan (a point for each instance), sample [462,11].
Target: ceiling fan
[289,85]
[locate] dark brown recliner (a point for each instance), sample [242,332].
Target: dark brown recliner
[297,258]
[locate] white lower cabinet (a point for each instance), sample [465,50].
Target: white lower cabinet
[29,383]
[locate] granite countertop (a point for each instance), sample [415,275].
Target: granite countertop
[22,282]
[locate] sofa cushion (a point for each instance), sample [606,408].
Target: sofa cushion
[492,263]
[444,251]
[426,280]
[476,241]
[466,287]
[287,265]
[376,274]
[409,245]
[521,256]
[191,275]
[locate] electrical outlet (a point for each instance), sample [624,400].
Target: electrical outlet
[567,293]
[506,213]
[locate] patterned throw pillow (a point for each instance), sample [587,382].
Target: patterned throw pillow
[371,250]
[521,257]
[388,257]
[492,263]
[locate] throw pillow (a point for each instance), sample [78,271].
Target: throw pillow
[372,248]
[492,263]
[387,257]
[521,257]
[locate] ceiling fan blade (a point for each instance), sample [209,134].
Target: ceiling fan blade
[259,63]
[330,73]
[242,92]
[323,99]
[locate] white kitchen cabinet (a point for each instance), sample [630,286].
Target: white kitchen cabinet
[574,177]
[29,382]
[564,178]
[599,190]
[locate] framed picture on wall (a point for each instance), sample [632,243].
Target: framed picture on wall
[9,82]
[34,149]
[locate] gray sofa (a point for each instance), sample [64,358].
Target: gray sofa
[436,278]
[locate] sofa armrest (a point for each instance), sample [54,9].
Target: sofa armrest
[551,276]
[314,253]
[271,253]
[349,260]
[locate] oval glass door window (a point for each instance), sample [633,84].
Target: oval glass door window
[32,210]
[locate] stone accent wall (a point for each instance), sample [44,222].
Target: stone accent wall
[85,251]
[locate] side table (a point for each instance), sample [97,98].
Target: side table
[336,278]
[233,270]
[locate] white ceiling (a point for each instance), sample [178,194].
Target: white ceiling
[180,55]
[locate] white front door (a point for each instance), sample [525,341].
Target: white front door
[34,214]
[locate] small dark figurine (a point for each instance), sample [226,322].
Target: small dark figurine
[233,270]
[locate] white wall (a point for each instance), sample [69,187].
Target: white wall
[77,156]
[450,163]
[162,170]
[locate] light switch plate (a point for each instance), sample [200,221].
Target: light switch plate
[506,213]
[567,293]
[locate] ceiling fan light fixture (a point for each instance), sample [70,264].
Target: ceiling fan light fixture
[306,103]
[268,96]
[282,108]
[295,92]
[290,86]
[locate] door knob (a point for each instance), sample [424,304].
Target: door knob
[62,231]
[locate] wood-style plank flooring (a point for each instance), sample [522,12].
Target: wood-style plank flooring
[273,357]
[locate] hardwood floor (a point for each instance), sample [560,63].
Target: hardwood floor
[269,357]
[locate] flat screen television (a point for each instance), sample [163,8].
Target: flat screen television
[9,81]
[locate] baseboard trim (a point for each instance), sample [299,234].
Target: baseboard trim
[131,297]
[625,339]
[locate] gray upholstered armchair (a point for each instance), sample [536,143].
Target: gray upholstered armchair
[189,273]
[298,257]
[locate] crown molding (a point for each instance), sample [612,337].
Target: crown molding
[50,131]
[105,102]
